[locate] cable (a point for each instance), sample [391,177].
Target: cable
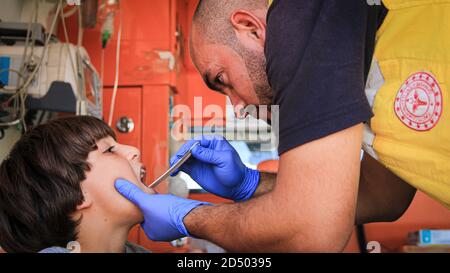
[44,51]
[36,15]
[66,37]
[80,27]
[17,96]
[361,236]
[22,92]
[10,123]
[81,78]
[102,65]
[16,106]
[70,12]
[116,78]
[102,69]
[14,71]
[22,89]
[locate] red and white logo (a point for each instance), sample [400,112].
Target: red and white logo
[419,102]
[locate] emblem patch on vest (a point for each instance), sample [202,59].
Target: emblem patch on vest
[418,103]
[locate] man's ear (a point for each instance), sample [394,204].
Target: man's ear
[248,27]
[87,202]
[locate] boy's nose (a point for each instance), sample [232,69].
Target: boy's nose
[132,153]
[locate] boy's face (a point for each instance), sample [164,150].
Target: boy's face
[111,161]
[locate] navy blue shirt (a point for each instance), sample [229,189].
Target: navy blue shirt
[318,55]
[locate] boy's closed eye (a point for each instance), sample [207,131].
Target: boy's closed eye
[109,150]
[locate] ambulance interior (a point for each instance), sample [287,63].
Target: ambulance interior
[127,62]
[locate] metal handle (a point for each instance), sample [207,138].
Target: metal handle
[125,125]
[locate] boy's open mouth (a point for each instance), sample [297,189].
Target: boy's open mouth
[143,174]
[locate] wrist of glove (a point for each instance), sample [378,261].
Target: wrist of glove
[180,209]
[247,188]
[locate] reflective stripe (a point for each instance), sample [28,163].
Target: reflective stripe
[374,82]
[368,139]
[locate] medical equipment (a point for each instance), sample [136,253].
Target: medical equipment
[11,33]
[55,86]
[37,72]
[175,166]
[28,64]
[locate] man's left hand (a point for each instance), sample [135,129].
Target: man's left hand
[163,213]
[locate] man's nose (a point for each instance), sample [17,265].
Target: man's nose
[238,106]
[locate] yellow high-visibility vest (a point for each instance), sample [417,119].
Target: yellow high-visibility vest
[408,87]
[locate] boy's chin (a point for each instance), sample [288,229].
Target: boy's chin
[148,190]
[135,217]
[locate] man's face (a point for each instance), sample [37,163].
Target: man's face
[241,76]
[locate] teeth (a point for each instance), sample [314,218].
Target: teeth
[143,174]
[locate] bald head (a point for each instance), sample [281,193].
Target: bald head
[227,47]
[212,19]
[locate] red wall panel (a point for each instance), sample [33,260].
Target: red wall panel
[128,104]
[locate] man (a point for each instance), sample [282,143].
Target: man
[317,55]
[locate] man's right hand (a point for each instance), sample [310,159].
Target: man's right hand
[217,167]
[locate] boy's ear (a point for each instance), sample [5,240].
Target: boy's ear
[87,202]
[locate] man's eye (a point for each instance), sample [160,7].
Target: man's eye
[219,79]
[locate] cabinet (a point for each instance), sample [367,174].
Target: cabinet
[128,101]
[148,108]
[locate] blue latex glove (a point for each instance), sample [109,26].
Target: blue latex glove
[217,167]
[163,213]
